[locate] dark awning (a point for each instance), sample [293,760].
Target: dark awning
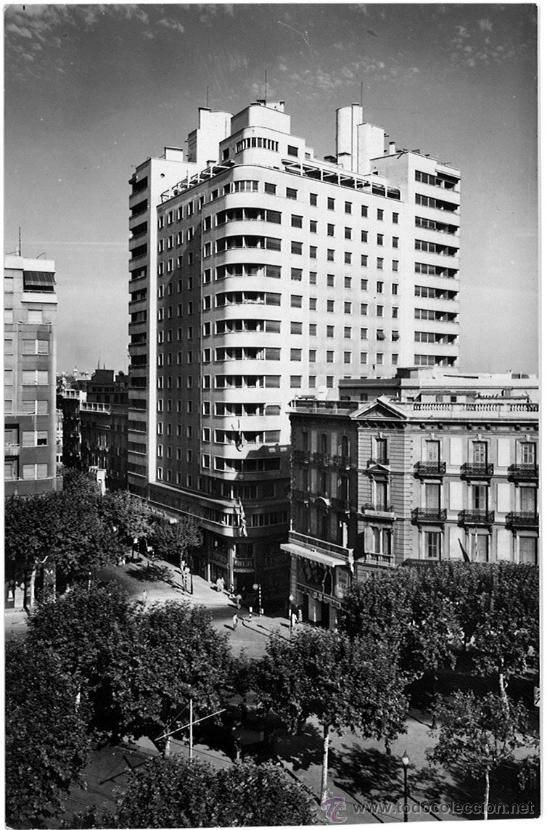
[39,281]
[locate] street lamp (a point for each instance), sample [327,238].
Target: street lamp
[405,762]
[257,587]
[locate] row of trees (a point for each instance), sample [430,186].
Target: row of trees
[73,533]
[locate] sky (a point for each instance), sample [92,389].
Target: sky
[93,90]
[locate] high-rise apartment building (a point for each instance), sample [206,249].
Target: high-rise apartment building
[30,422]
[260,273]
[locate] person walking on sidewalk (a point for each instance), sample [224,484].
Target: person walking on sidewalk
[235,621]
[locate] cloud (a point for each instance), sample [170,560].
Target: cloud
[485,25]
[173,25]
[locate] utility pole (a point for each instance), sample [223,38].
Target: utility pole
[190,728]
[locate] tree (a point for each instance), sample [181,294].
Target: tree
[409,609]
[131,516]
[344,683]
[476,735]
[175,654]
[88,631]
[506,633]
[173,541]
[46,744]
[173,792]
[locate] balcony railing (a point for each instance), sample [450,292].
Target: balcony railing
[477,470]
[430,468]
[342,461]
[429,515]
[523,472]
[340,504]
[371,557]
[301,456]
[476,517]
[321,458]
[373,461]
[319,544]
[301,495]
[523,520]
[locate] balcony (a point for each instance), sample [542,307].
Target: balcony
[522,520]
[319,544]
[301,495]
[301,456]
[477,470]
[342,461]
[373,462]
[428,515]
[523,472]
[430,469]
[379,512]
[476,518]
[373,558]
[321,458]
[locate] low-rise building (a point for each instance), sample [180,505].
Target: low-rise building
[445,469]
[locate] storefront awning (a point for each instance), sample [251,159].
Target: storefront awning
[313,555]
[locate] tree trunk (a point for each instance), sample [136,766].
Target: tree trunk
[32,583]
[503,692]
[486,799]
[324,779]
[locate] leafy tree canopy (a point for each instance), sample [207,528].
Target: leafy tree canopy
[46,743]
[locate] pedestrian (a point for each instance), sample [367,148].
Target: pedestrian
[293,620]
[235,622]
[250,614]
[238,598]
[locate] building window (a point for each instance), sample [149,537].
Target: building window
[528,453]
[330,331]
[311,381]
[363,357]
[347,257]
[330,382]
[291,193]
[295,301]
[347,357]
[296,247]
[296,221]
[330,203]
[380,214]
[479,453]
[347,332]
[479,497]
[347,233]
[379,287]
[395,265]
[330,306]
[330,357]
[330,280]
[295,354]
[432,545]
[295,381]
[296,274]
[379,238]
[313,304]
[313,277]
[364,334]
[527,550]
[270,188]
[395,218]
[347,308]
[312,226]
[313,199]
[330,230]
[295,328]
[330,254]
[364,211]
[379,263]
[312,252]
[364,260]
[313,329]
[292,151]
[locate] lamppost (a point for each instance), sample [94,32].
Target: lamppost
[405,762]
[257,587]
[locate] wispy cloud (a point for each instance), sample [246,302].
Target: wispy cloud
[481,45]
[173,25]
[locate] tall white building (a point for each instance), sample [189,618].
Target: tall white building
[260,273]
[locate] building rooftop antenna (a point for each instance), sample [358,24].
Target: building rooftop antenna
[265,85]
[19,244]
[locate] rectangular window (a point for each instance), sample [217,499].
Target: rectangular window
[479,452]
[364,211]
[364,260]
[292,151]
[363,357]
[313,329]
[312,252]
[379,238]
[330,230]
[295,354]
[330,306]
[347,308]
[313,304]
[330,331]
[432,545]
[330,254]
[364,334]
[270,188]
[295,381]
[395,218]
[330,357]
[528,453]
[296,274]
[295,328]
[380,214]
[330,203]
[291,193]
[364,309]
[296,221]
[296,247]
[313,199]
[347,282]
[347,257]
[395,241]
[347,357]
[312,226]
[379,263]
[313,277]
[347,207]
[312,355]
[379,287]
[295,301]
[330,280]
[527,549]
[379,310]
[347,233]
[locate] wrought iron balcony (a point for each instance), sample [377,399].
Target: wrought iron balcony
[429,515]
[372,558]
[301,456]
[479,518]
[477,470]
[523,472]
[374,461]
[522,520]
[431,469]
[343,461]
[321,458]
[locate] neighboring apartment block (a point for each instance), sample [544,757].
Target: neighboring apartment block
[30,421]
[446,469]
[258,273]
